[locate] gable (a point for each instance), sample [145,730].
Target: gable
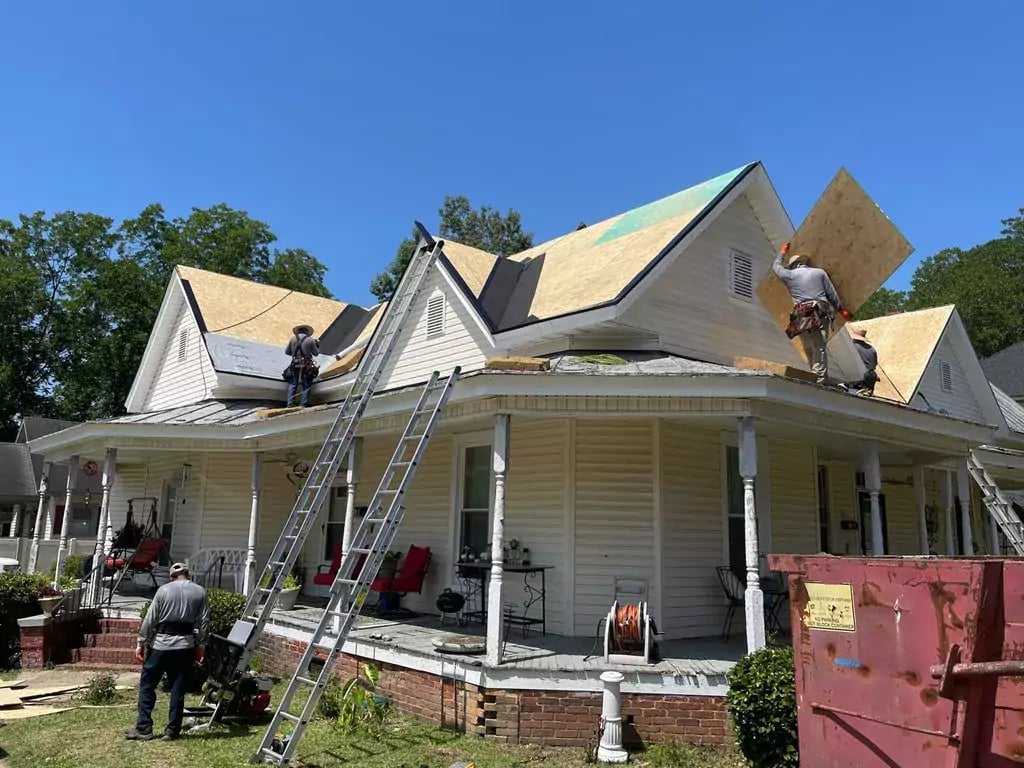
[945,385]
[182,373]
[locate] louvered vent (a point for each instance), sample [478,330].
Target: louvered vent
[435,316]
[741,270]
[947,376]
[183,345]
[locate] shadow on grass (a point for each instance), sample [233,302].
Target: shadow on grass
[366,747]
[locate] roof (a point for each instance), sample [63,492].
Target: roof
[250,311]
[1005,369]
[1013,411]
[905,343]
[18,479]
[350,358]
[38,426]
[640,364]
[208,412]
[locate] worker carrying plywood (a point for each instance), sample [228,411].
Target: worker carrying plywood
[303,347]
[815,305]
[869,356]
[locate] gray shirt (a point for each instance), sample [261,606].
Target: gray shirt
[807,284]
[180,601]
[867,353]
[307,346]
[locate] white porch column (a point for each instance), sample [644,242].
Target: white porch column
[256,487]
[873,480]
[963,485]
[495,609]
[948,507]
[44,489]
[753,596]
[15,520]
[100,551]
[355,454]
[922,515]
[51,514]
[62,548]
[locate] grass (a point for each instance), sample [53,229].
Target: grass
[94,738]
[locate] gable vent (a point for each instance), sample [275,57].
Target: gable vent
[183,345]
[741,276]
[435,316]
[947,376]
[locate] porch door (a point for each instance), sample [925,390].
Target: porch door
[864,502]
[475,501]
[334,524]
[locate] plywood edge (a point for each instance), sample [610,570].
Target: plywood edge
[345,364]
[518,364]
[778,369]
[269,413]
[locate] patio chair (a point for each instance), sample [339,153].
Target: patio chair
[734,589]
[142,560]
[325,575]
[410,576]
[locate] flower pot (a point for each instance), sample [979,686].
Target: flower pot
[286,601]
[49,604]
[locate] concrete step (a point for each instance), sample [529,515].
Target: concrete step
[124,657]
[111,640]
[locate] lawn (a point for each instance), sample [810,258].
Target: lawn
[93,738]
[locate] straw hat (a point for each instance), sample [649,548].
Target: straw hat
[798,258]
[857,333]
[306,329]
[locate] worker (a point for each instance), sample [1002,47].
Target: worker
[869,356]
[303,348]
[815,304]
[172,636]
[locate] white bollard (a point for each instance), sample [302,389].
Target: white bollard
[610,750]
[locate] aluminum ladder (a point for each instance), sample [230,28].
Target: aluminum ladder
[371,541]
[1001,510]
[317,486]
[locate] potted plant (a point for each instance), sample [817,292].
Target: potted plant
[389,566]
[49,599]
[289,592]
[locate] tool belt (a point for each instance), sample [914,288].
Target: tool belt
[299,367]
[809,316]
[177,628]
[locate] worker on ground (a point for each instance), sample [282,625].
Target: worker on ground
[172,636]
[303,348]
[869,356]
[815,305]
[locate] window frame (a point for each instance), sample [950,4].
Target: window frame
[462,446]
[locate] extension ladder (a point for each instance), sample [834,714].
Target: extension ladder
[370,543]
[317,487]
[1001,510]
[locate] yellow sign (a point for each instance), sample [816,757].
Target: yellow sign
[830,606]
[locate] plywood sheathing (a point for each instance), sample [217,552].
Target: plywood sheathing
[905,344]
[351,359]
[848,236]
[269,413]
[473,265]
[517,364]
[779,369]
[254,312]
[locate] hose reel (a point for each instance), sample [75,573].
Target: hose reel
[629,634]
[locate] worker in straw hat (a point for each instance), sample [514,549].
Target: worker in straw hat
[303,348]
[815,305]
[869,356]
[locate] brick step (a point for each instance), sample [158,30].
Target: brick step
[119,626]
[119,656]
[111,640]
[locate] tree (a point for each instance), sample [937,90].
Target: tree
[882,302]
[298,270]
[485,228]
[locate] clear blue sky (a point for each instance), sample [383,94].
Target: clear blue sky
[339,123]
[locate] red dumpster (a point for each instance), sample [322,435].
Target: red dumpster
[905,662]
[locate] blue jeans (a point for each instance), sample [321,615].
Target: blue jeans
[177,665]
[306,381]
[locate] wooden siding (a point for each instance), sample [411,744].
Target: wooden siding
[416,356]
[794,500]
[960,402]
[614,528]
[180,382]
[842,478]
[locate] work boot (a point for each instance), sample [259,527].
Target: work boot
[169,735]
[842,387]
[136,735]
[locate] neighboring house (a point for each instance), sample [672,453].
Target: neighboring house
[1005,369]
[628,458]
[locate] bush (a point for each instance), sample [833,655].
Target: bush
[74,566]
[762,702]
[225,609]
[19,595]
[101,689]
[353,705]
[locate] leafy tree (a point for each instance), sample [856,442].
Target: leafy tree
[298,270]
[882,302]
[485,228]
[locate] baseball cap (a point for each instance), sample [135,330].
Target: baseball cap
[178,568]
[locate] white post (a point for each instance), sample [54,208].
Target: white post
[351,482]
[494,600]
[100,550]
[963,482]
[610,749]
[256,487]
[922,514]
[947,506]
[51,514]
[44,487]
[15,520]
[62,548]
[873,480]
[753,596]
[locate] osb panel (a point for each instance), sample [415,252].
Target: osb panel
[351,359]
[473,265]
[848,236]
[254,312]
[905,344]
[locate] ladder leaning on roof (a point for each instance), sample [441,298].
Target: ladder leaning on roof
[998,506]
[315,490]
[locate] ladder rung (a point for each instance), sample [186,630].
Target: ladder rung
[291,717]
[305,680]
[268,752]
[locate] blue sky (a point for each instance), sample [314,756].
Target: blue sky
[339,123]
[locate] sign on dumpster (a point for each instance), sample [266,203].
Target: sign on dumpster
[830,606]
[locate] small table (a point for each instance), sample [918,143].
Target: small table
[480,572]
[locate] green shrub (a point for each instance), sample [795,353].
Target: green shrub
[329,706]
[225,609]
[74,566]
[762,702]
[19,595]
[354,705]
[101,689]
[291,581]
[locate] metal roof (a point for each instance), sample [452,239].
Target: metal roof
[1005,369]
[18,478]
[640,364]
[33,427]
[1013,412]
[208,412]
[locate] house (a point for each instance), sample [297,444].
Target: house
[1005,369]
[632,458]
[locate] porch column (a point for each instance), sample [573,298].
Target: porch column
[256,487]
[100,550]
[494,601]
[355,454]
[44,489]
[948,506]
[62,548]
[963,491]
[873,480]
[753,596]
[922,515]
[15,520]
[51,514]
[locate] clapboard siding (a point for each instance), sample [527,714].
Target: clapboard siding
[901,514]
[416,356]
[180,382]
[692,531]
[227,502]
[960,402]
[794,501]
[842,479]
[614,527]
[691,305]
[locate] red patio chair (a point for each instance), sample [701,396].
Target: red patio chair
[141,560]
[326,578]
[410,576]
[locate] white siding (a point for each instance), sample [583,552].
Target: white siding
[794,500]
[416,356]
[843,500]
[960,402]
[614,526]
[901,513]
[180,382]
[691,305]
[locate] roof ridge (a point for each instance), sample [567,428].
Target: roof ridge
[269,286]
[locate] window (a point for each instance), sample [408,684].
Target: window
[741,276]
[334,525]
[823,510]
[183,345]
[475,514]
[946,371]
[734,514]
[435,316]
[864,502]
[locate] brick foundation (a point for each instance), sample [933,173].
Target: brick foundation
[47,640]
[553,717]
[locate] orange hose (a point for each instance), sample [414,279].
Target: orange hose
[627,620]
